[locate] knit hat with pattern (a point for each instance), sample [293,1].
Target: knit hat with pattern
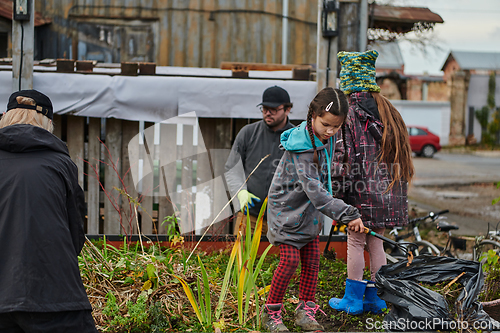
[358,71]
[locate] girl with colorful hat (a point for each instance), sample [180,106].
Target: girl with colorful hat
[375,178]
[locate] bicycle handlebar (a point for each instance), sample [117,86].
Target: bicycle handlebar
[432,215]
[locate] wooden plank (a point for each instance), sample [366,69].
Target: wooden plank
[166,48]
[147,180]
[222,143]
[179,27]
[254,38]
[194,21]
[167,163]
[216,135]
[254,66]
[111,178]
[223,36]
[93,188]
[300,33]
[76,144]
[208,35]
[130,163]
[205,197]
[272,33]
[187,211]
[238,29]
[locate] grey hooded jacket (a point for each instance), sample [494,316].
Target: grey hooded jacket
[300,194]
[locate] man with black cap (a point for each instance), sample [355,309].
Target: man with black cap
[252,143]
[41,224]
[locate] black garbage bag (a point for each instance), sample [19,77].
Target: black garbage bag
[416,308]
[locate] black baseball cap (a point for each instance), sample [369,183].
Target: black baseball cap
[42,105]
[274,97]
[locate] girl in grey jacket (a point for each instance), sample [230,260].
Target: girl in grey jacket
[300,194]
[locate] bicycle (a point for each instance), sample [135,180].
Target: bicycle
[485,243]
[454,244]
[422,246]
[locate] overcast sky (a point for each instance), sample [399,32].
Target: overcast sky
[469,25]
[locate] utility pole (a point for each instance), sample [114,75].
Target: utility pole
[326,51]
[23,36]
[363,24]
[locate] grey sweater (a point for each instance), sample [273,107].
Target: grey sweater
[252,143]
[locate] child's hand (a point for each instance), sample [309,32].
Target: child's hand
[356,226]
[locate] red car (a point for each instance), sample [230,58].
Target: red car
[423,142]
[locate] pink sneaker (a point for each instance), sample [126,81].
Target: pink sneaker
[305,316]
[271,318]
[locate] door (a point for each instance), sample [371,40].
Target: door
[417,138]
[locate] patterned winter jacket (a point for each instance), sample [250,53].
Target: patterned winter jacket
[299,195]
[364,182]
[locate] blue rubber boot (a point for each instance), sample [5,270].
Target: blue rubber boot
[352,303]
[372,303]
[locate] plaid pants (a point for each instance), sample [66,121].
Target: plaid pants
[289,261]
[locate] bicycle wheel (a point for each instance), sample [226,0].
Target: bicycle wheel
[426,248]
[483,247]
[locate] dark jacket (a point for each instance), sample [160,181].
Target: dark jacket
[300,195]
[252,143]
[364,183]
[41,223]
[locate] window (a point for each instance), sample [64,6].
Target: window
[416,131]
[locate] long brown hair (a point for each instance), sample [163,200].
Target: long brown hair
[395,148]
[339,107]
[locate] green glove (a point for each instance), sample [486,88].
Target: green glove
[246,198]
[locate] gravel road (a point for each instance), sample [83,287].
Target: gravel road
[462,183]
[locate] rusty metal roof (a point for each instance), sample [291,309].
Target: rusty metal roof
[401,19]
[6,7]
[470,60]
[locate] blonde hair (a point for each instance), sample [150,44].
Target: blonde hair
[26,116]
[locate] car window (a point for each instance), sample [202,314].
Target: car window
[420,132]
[416,131]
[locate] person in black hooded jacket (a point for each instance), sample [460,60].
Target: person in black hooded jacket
[41,224]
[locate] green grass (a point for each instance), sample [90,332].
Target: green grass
[131,291]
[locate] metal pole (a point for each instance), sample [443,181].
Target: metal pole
[23,36]
[284,34]
[363,25]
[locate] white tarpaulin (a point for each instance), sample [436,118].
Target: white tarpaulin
[156,98]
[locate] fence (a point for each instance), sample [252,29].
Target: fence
[132,169]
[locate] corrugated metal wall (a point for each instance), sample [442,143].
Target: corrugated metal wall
[193,33]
